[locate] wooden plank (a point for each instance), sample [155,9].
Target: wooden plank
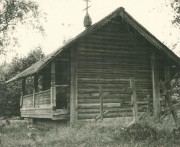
[123,90]
[167,72]
[73,87]
[37,113]
[60,111]
[36,82]
[111,109]
[107,100]
[155,84]
[134,99]
[108,115]
[35,88]
[101,103]
[53,70]
[34,96]
[23,86]
[97,105]
[21,100]
[53,88]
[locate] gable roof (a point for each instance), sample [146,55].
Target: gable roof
[35,68]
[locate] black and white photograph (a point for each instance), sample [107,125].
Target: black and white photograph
[89,73]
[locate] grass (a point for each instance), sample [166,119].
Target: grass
[147,132]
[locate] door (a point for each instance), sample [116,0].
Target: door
[62,84]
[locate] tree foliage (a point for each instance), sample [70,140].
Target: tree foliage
[175,4]
[10,93]
[14,13]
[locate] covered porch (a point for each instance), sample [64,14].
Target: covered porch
[46,93]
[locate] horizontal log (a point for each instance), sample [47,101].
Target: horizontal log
[113,71]
[61,117]
[60,112]
[114,66]
[106,89]
[124,90]
[113,58]
[111,41]
[108,115]
[105,105]
[110,86]
[37,113]
[106,52]
[112,100]
[110,80]
[110,71]
[112,34]
[106,95]
[112,46]
[112,110]
[109,75]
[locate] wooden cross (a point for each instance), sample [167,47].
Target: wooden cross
[87,6]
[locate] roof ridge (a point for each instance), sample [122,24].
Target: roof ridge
[35,68]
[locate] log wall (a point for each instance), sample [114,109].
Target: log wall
[105,58]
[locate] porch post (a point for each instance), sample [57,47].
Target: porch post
[23,86]
[73,95]
[53,88]
[35,87]
[155,84]
[23,91]
[167,72]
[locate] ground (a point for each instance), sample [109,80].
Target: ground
[111,133]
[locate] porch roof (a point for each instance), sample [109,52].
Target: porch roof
[35,68]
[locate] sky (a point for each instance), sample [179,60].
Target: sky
[64,20]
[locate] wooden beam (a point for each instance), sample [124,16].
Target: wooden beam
[73,95]
[134,100]
[155,84]
[167,72]
[23,92]
[36,83]
[35,87]
[21,100]
[23,86]
[53,70]
[101,103]
[53,82]
[34,96]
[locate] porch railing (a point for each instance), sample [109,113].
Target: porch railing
[37,100]
[41,99]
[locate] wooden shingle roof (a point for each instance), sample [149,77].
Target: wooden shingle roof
[35,68]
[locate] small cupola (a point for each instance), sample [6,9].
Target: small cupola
[87,21]
[87,18]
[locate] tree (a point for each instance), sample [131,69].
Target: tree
[175,4]
[14,13]
[10,93]
[19,64]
